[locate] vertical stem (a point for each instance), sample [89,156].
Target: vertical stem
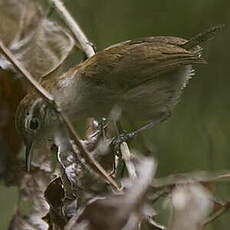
[86,45]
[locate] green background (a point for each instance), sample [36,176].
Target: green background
[197,135]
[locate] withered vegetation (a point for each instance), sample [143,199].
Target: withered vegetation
[83,184]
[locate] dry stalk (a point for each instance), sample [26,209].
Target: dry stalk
[79,35]
[217,213]
[63,118]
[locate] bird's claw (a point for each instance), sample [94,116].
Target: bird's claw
[118,140]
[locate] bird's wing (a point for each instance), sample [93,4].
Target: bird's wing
[164,39]
[130,63]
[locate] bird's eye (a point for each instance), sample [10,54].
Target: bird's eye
[34,123]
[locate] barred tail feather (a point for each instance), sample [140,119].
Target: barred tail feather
[202,37]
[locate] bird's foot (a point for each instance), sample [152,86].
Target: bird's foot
[100,127]
[124,137]
[118,140]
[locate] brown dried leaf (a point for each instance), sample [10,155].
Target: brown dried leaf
[17,19]
[40,44]
[54,195]
[121,211]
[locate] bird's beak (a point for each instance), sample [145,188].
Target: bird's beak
[29,147]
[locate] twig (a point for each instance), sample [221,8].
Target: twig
[156,225]
[86,45]
[65,120]
[198,177]
[42,92]
[216,214]
[159,193]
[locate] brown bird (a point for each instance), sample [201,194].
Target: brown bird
[144,77]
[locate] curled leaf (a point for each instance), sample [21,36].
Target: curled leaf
[40,44]
[120,211]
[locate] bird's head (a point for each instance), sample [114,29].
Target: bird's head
[33,119]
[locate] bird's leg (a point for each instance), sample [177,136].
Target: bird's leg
[124,137]
[101,128]
[121,137]
[118,162]
[150,125]
[102,125]
[95,133]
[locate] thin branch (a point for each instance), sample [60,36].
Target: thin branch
[217,214]
[156,225]
[18,66]
[198,177]
[86,45]
[86,155]
[159,193]
[65,120]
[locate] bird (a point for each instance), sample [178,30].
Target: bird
[143,77]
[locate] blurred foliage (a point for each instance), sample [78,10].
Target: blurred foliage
[196,137]
[8,200]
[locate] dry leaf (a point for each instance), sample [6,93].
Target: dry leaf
[39,43]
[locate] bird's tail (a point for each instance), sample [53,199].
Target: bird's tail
[202,37]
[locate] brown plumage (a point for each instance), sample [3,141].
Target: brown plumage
[143,77]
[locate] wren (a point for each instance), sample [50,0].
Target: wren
[143,77]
